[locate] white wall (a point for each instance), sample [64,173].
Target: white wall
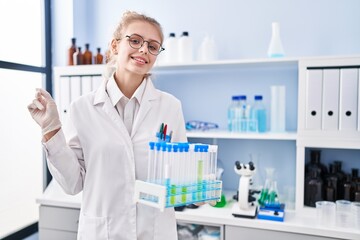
[242,29]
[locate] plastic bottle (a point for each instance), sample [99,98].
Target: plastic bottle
[231,114]
[275,48]
[258,115]
[99,58]
[71,52]
[185,48]
[207,50]
[87,55]
[243,114]
[170,55]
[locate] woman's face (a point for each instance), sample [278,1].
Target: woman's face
[137,61]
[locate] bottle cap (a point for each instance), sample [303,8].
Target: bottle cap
[186,34]
[172,35]
[258,97]
[242,97]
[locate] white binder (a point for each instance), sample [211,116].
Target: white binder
[313,98]
[75,88]
[64,98]
[96,81]
[86,84]
[330,99]
[348,98]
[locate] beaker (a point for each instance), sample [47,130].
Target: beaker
[264,195]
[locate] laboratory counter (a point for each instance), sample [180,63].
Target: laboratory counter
[295,226]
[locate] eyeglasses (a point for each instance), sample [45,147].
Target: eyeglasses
[136,41]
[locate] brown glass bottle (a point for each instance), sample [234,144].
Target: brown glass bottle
[313,189]
[349,189]
[78,57]
[71,52]
[99,58]
[87,55]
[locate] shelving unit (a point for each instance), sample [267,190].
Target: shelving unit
[298,140]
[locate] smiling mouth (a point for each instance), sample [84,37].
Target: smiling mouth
[139,60]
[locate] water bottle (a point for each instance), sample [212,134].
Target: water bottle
[258,115]
[185,49]
[231,113]
[243,114]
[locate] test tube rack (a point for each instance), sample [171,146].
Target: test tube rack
[161,196]
[179,174]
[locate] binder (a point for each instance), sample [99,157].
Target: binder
[64,98]
[96,81]
[348,98]
[75,88]
[86,85]
[314,80]
[330,99]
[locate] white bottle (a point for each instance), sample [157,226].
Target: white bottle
[185,48]
[275,48]
[170,54]
[207,50]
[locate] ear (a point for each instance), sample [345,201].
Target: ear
[114,46]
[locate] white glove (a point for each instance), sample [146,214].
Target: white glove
[44,111]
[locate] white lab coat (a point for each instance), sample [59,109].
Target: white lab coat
[103,161]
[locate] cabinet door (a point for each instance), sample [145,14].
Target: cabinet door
[237,233]
[46,234]
[59,218]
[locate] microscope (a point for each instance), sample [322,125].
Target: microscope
[246,206]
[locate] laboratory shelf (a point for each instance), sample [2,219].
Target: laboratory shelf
[221,64]
[213,134]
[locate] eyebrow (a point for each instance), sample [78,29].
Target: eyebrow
[150,40]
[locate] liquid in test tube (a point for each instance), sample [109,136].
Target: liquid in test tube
[174,174]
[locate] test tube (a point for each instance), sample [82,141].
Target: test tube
[162,164]
[205,181]
[174,173]
[157,162]
[186,163]
[151,158]
[199,169]
[167,171]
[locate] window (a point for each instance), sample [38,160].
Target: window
[25,64]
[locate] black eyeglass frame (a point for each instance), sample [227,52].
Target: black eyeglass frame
[143,42]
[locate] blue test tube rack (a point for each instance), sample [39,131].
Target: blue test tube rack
[188,175]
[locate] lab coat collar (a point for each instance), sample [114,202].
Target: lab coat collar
[150,94]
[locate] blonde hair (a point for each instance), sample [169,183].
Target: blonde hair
[128,17]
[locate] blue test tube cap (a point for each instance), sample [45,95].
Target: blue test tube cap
[169,147]
[163,146]
[181,147]
[197,148]
[152,145]
[186,147]
[175,147]
[206,148]
[158,146]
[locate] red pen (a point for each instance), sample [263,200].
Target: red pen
[164,132]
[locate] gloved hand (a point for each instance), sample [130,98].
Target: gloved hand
[44,111]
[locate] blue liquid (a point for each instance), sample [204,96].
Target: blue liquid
[261,118]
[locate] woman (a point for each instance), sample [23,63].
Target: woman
[108,135]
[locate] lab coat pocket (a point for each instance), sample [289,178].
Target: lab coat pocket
[93,228]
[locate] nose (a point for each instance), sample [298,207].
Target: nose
[144,49]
